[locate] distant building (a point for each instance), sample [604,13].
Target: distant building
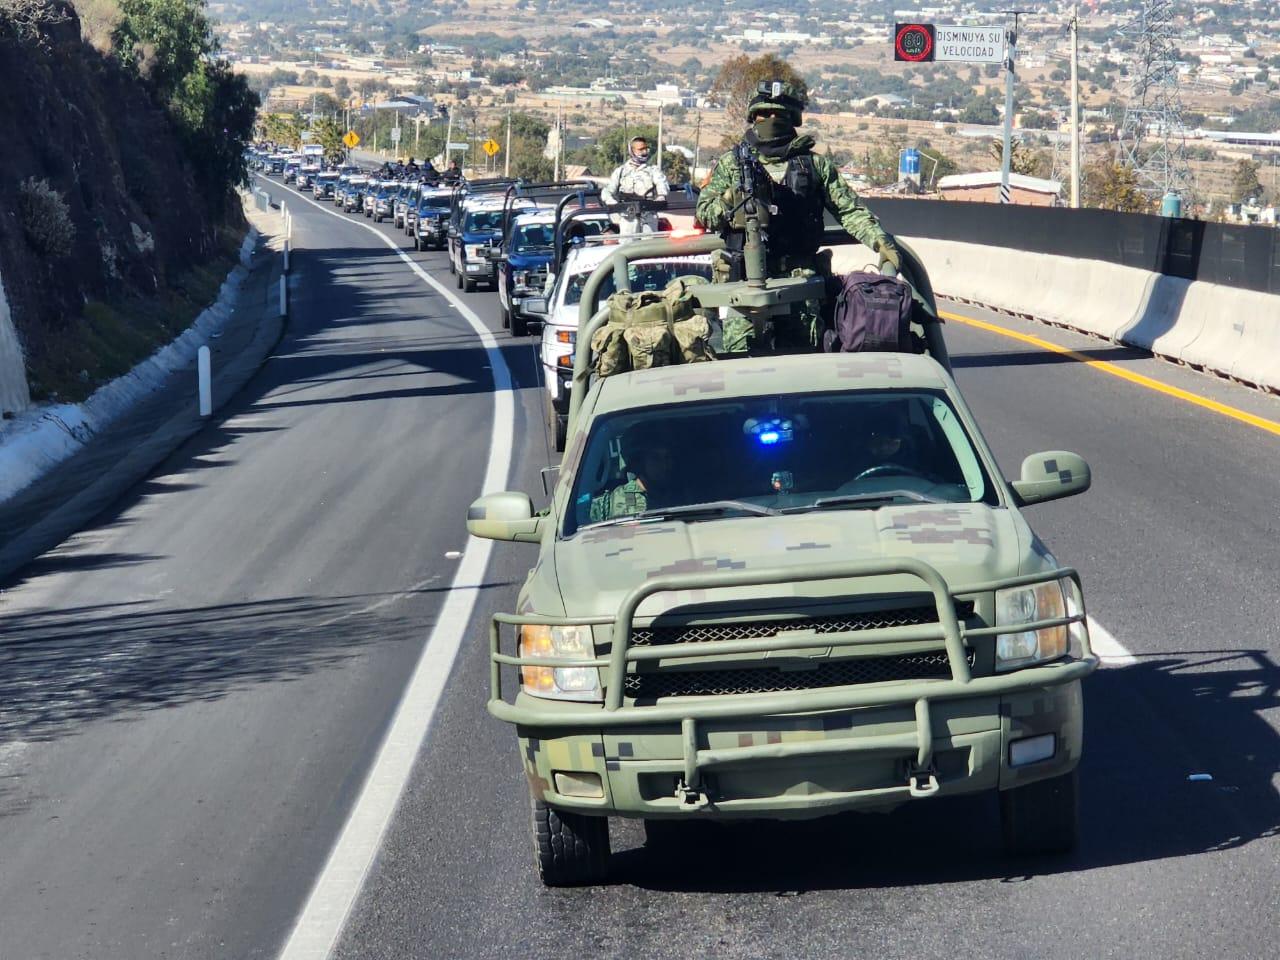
[985,188]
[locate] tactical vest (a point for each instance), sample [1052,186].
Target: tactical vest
[796,229]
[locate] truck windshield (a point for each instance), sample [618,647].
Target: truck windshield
[795,453]
[644,275]
[483,220]
[533,237]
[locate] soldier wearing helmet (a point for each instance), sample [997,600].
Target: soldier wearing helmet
[653,478]
[804,184]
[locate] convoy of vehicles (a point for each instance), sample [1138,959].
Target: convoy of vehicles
[769,587]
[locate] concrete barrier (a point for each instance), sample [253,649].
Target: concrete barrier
[1258,356]
[1228,330]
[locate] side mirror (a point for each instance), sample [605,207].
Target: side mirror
[1051,475]
[505,516]
[536,306]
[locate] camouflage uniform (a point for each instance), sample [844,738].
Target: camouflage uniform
[624,500]
[801,331]
[803,187]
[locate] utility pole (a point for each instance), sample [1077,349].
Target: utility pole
[659,136]
[448,135]
[1075,105]
[506,169]
[1006,160]
[697,146]
[315,62]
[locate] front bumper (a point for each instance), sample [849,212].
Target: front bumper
[804,753]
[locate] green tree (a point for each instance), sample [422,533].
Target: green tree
[1021,159]
[163,40]
[735,84]
[1244,181]
[170,44]
[1113,186]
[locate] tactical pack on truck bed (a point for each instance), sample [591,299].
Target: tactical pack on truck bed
[783,587]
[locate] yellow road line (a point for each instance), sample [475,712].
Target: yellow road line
[1102,366]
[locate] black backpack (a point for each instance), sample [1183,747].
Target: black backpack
[872,314]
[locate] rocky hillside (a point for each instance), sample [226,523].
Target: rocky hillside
[109,220]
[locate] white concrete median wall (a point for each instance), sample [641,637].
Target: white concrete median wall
[14,393]
[1230,331]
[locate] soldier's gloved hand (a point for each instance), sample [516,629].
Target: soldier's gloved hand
[733,199]
[890,256]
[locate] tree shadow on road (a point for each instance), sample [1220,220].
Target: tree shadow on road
[1148,727]
[60,668]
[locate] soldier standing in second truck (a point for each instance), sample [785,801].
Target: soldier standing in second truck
[804,184]
[636,179]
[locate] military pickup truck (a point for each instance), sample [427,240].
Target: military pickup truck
[784,587]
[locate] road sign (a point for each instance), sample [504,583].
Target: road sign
[352,139]
[306,136]
[459,145]
[395,134]
[490,147]
[969,44]
[913,42]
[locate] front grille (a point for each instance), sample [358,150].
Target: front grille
[757,629]
[829,673]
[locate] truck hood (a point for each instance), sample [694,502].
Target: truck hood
[528,261]
[966,543]
[480,236]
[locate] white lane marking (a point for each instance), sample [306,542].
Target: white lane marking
[316,931]
[1111,651]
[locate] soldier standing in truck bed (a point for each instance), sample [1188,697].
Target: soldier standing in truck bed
[804,185]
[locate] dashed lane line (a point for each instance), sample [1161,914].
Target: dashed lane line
[315,932]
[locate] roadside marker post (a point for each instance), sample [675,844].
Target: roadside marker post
[286,254]
[204,368]
[284,295]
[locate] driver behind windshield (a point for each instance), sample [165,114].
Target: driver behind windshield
[653,479]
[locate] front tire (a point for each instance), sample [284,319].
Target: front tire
[519,325]
[468,286]
[1042,818]
[457,279]
[506,318]
[569,848]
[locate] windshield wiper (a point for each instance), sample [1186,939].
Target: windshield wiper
[712,508]
[869,500]
[689,511]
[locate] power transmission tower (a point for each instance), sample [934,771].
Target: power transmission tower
[1153,137]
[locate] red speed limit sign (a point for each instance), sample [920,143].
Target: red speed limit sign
[913,42]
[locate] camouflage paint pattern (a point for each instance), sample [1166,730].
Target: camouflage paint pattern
[641,763]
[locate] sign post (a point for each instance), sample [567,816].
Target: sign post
[1006,159]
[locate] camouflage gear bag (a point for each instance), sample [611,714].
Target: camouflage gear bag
[652,329]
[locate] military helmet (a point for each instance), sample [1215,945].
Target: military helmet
[777,95]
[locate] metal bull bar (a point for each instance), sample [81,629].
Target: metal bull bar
[919,694]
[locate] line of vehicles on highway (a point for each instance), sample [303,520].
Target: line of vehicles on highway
[533,244]
[768,587]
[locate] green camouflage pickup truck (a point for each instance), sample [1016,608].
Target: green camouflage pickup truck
[786,587]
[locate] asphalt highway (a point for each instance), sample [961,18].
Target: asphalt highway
[192,690]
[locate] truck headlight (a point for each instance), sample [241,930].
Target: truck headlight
[1056,599]
[559,643]
[475,251]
